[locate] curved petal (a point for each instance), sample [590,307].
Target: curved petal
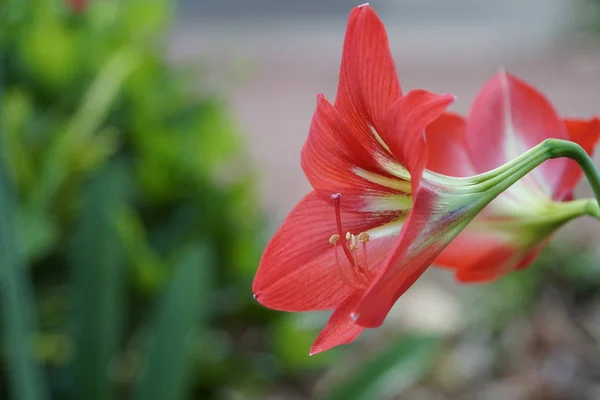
[478,257]
[586,133]
[485,252]
[368,83]
[497,262]
[426,232]
[340,328]
[337,159]
[447,146]
[298,270]
[500,261]
[405,125]
[507,118]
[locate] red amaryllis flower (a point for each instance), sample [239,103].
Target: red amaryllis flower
[77,6]
[508,118]
[376,218]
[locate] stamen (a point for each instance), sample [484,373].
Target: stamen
[341,274]
[338,221]
[364,238]
[354,249]
[360,273]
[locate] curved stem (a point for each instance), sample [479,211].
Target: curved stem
[564,148]
[516,169]
[480,182]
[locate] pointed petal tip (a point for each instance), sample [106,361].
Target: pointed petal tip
[441,100]
[314,350]
[504,76]
[430,97]
[508,78]
[594,122]
[361,8]
[449,97]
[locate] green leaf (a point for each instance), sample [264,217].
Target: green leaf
[184,302]
[16,300]
[148,269]
[94,107]
[97,285]
[37,233]
[397,366]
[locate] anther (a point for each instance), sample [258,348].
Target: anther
[363,237]
[352,241]
[338,221]
[334,238]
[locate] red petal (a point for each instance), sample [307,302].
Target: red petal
[298,271]
[368,84]
[497,262]
[502,260]
[447,145]
[419,243]
[479,257]
[406,122]
[507,118]
[586,134]
[484,256]
[333,152]
[340,328]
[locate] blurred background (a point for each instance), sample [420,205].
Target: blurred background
[149,148]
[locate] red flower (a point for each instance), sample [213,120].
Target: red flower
[508,118]
[377,218]
[77,6]
[367,147]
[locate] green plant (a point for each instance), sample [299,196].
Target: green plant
[127,238]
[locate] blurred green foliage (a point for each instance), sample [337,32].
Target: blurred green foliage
[131,237]
[400,364]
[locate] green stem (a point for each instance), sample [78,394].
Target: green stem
[516,169]
[487,180]
[564,148]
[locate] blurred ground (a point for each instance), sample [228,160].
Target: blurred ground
[273,58]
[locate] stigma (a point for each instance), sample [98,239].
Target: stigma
[355,272]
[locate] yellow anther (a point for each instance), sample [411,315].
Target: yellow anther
[363,237]
[334,238]
[348,235]
[353,242]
